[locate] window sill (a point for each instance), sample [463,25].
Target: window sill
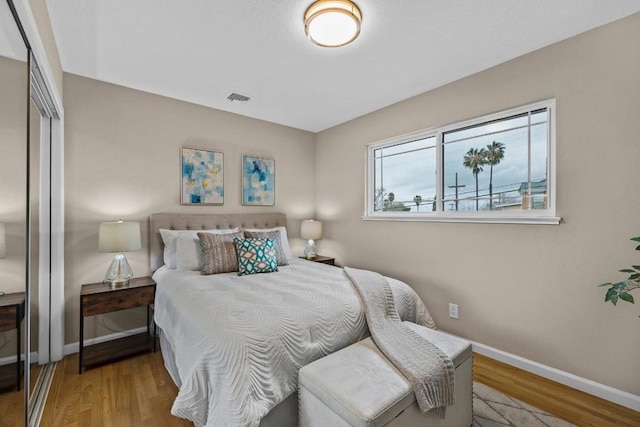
[541,220]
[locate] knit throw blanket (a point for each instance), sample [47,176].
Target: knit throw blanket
[429,370]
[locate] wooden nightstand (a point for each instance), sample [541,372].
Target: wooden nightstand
[100,298]
[322,259]
[11,315]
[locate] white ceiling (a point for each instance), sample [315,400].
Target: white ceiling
[201,50]
[11,43]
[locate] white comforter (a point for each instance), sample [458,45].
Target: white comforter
[240,340]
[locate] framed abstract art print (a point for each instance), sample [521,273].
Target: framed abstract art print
[202,180]
[258,181]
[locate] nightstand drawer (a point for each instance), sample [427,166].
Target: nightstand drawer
[8,317]
[121,299]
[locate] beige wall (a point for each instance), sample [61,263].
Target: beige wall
[41,16]
[13,178]
[13,181]
[526,289]
[122,161]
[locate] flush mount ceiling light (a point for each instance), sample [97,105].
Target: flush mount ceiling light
[332,23]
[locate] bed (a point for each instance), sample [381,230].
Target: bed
[234,344]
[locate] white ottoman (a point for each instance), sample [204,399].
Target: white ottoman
[359,386]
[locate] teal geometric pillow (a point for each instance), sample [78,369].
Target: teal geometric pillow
[255,256]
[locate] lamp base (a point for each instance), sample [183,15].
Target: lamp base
[310,251]
[119,272]
[117,283]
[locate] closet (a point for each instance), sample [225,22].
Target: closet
[30,190]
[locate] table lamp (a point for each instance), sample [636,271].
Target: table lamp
[311,230]
[119,237]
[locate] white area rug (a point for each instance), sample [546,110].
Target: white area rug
[494,409]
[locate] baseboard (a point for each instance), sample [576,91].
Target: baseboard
[12,359]
[75,346]
[602,391]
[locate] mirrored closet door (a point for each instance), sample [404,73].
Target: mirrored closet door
[27,113]
[14,105]
[41,115]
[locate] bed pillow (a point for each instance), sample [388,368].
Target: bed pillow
[255,256]
[281,257]
[283,238]
[219,252]
[170,239]
[189,253]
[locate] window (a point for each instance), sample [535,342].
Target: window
[497,168]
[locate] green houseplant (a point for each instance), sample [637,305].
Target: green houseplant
[621,290]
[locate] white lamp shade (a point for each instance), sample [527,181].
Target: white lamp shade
[119,236]
[310,229]
[332,23]
[3,242]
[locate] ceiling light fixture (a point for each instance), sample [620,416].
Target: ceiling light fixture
[332,23]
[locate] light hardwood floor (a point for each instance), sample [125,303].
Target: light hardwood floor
[133,392]
[569,404]
[139,392]
[12,402]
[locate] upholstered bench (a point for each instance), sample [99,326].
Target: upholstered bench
[358,386]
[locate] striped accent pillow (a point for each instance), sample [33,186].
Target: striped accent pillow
[255,256]
[218,252]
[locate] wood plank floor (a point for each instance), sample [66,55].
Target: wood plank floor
[133,392]
[139,392]
[12,409]
[12,402]
[578,408]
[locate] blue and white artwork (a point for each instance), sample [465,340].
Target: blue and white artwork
[258,181]
[202,177]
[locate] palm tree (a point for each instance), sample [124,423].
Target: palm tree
[475,159]
[494,154]
[417,200]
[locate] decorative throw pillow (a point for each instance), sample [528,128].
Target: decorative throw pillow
[283,238]
[218,252]
[255,256]
[281,257]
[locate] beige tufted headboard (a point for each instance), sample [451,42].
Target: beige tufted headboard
[203,222]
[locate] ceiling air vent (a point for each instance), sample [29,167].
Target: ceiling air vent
[237,97]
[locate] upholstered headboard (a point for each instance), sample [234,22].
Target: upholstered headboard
[203,222]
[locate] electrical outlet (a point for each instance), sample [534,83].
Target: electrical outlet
[453,311]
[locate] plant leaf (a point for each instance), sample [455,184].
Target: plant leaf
[610,294]
[637,267]
[626,270]
[636,239]
[627,297]
[614,299]
[605,284]
[621,286]
[634,276]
